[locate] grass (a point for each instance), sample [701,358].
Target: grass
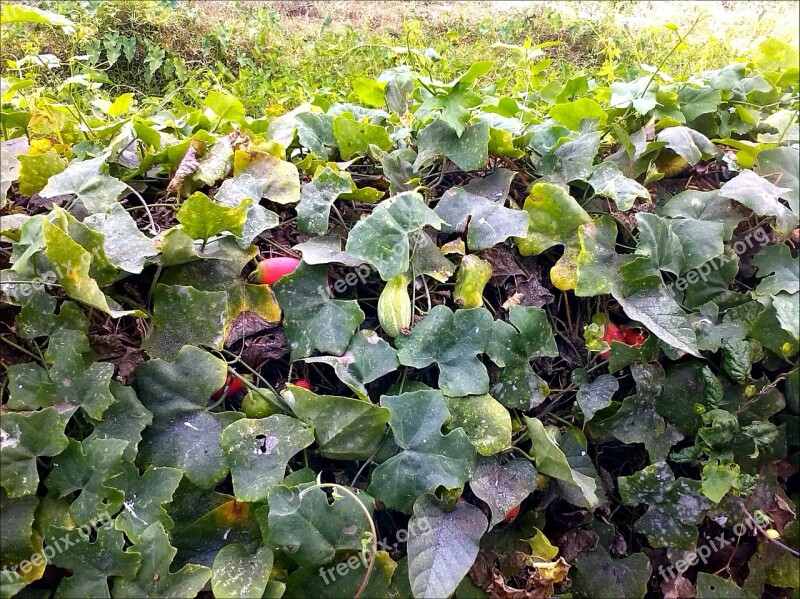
[276,55]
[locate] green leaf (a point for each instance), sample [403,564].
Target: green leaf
[325,250]
[675,507]
[73,383]
[202,218]
[225,106]
[550,460]
[678,245]
[304,524]
[87,467]
[381,239]
[10,166]
[154,578]
[370,92]
[527,335]
[366,359]
[124,245]
[277,180]
[570,114]
[185,316]
[687,143]
[637,421]
[317,197]
[573,158]
[87,181]
[73,264]
[597,263]
[574,446]
[239,573]
[442,545]
[609,182]
[595,395]
[217,162]
[686,384]
[487,222]
[344,428]
[710,586]
[18,13]
[469,152]
[35,170]
[640,93]
[429,459]
[761,196]
[257,451]
[778,270]
[718,479]
[25,437]
[452,341]
[781,164]
[311,319]
[92,562]
[184,435]
[486,422]
[707,206]
[624,578]
[145,497]
[502,486]
[695,102]
[554,219]
[355,137]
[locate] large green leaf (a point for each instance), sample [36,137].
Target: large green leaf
[687,143]
[637,421]
[608,181]
[381,239]
[72,264]
[317,197]
[597,263]
[595,395]
[782,165]
[36,169]
[502,485]
[125,419]
[367,358]
[704,206]
[442,546]
[311,319]
[125,246]
[778,270]
[274,179]
[257,451]
[92,563]
[550,460]
[312,530]
[345,428]
[483,419]
[489,222]
[182,316]
[428,459]
[624,578]
[201,217]
[184,435]
[154,578]
[678,245]
[145,496]
[25,437]
[86,467]
[469,152]
[675,506]
[453,342]
[241,574]
[761,196]
[527,335]
[355,137]
[90,184]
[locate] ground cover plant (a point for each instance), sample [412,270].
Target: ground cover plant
[443,333]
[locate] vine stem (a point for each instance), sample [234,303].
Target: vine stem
[764,532]
[374,532]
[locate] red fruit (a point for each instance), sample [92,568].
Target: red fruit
[613,333]
[272,269]
[634,337]
[511,514]
[303,383]
[233,386]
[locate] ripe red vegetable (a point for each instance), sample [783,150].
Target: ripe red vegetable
[272,269]
[511,514]
[612,333]
[634,337]
[232,384]
[302,383]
